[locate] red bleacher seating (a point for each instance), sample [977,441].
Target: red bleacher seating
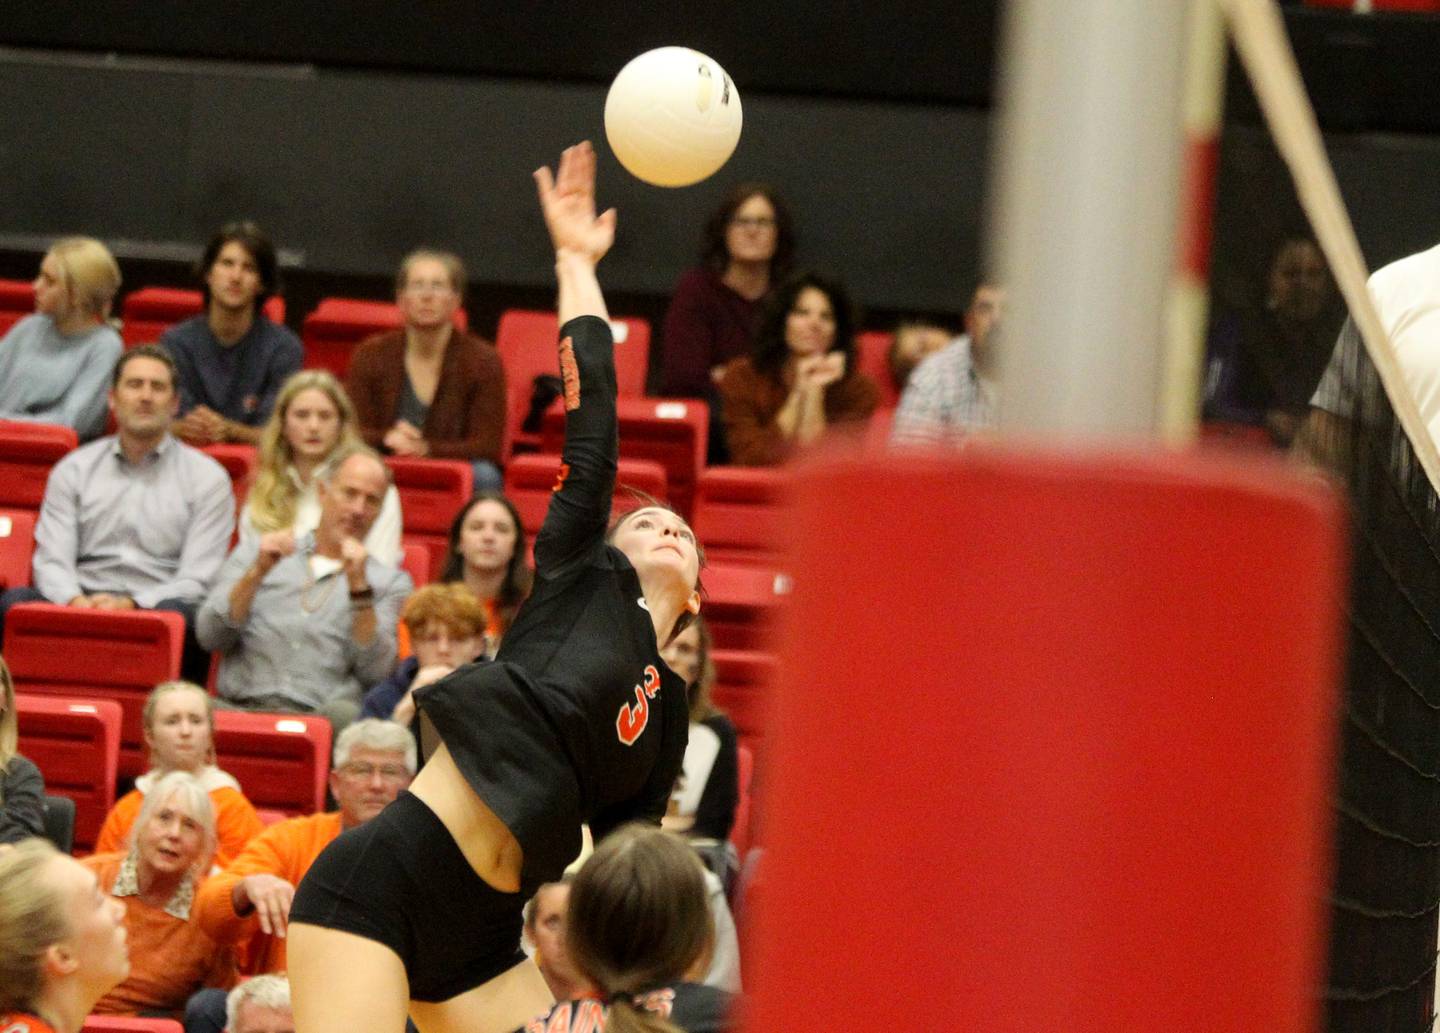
[130,1024]
[17,300]
[431,493]
[27,452]
[17,543]
[530,480]
[872,357]
[116,655]
[337,325]
[418,563]
[743,680]
[75,742]
[877,432]
[239,462]
[527,342]
[672,433]
[282,761]
[150,311]
[738,514]
[741,604]
[740,831]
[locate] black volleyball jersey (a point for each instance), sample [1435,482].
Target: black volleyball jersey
[578,719]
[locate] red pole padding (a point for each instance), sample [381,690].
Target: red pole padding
[1052,747]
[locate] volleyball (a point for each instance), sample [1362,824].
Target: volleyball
[672,117]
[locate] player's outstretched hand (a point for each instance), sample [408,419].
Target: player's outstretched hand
[567,200]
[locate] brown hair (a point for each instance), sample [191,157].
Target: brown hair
[639,919]
[452,605]
[454,268]
[715,253]
[145,351]
[32,918]
[9,724]
[698,691]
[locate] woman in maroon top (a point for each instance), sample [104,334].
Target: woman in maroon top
[748,247]
[800,382]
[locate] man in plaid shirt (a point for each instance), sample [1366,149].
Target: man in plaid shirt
[952,393]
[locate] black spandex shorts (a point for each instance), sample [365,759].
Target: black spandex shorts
[401,880]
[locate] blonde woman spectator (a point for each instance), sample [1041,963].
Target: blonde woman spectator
[62,940]
[169,852]
[22,790]
[179,720]
[55,365]
[312,424]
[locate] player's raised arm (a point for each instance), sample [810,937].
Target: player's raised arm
[581,238]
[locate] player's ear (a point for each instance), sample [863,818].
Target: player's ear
[693,603]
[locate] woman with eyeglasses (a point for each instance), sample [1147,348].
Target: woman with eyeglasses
[749,244]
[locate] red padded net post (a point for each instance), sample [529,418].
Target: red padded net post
[1051,749]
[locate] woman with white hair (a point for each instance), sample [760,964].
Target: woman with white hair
[55,365]
[171,846]
[62,940]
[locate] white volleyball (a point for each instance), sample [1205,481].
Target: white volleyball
[672,116]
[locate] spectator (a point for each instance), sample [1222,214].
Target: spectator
[749,243]
[137,520]
[53,905]
[487,555]
[430,389]
[22,790]
[169,853]
[260,1005]
[312,424]
[952,393]
[250,899]
[639,929]
[1266,359]
[800,381]
[179,723]
[53,364]
[232,359]
[306,623]
[708,790]
[447,628]
[915,338]
[545,933]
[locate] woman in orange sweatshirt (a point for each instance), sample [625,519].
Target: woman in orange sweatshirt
[180,731]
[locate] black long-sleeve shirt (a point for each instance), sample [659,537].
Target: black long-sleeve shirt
[578,719]
[22,801]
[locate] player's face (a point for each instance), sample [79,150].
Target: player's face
[312,424]
[179,731]
[656,540]
[366,783]
[51,297]
[233,278]
[171,841]
[95,940]
[682,654]
[752,235]
[144,400]
[488,537]
[428,299]
[810,325]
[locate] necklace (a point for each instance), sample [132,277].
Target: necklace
[309,600]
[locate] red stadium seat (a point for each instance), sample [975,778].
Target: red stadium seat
[75,742]
[17,543]
[27,452]
[743,686]
[672,433]
[527,342]
[530,481]
[431,491]
[740,834]
[1078,711]
[116,655]
[738,513]
[239,462]
[282,761]
[418,562]
[742,604]
[17,300]
[337,325]
[130,1024]
[877,432]
[872,357]
[150,311]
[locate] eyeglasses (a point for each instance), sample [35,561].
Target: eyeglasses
[365,772]
[753,222]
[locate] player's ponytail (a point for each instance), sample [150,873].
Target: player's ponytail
[639,920]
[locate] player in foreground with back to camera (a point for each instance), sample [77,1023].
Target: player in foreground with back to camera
[577,720]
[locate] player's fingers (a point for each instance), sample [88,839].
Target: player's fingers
[544,183]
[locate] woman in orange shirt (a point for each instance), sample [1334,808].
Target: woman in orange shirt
[179,721]
[171,957]
[62,940]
